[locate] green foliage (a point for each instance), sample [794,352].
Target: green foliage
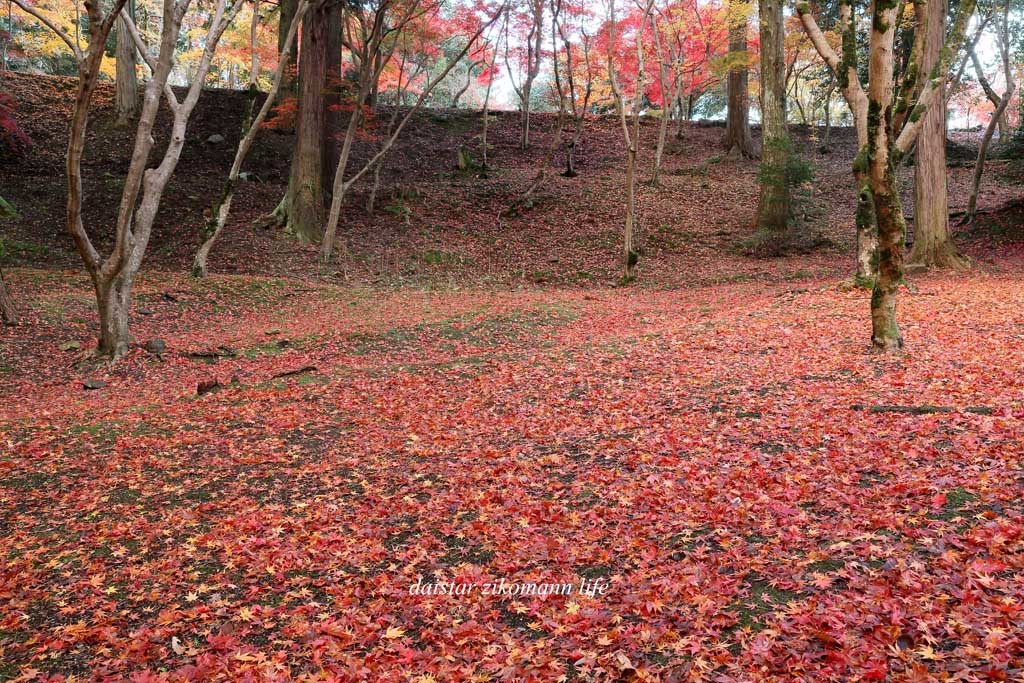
[782,167]
[436,257]
[7,210]
[788,223]
[11,250]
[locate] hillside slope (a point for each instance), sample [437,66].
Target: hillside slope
[433,224]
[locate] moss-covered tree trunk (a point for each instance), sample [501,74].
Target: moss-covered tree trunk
[304,203]
[885,333]
[774,205]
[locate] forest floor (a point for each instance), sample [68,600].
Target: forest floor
[735,487]
[435,227]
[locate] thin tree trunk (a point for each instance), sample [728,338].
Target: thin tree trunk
[487,95]
[999,115]
[800,105]
[487,101]
[465,86]
[372,200]
[374,95]
[525,201]
[7,311]
[827,141]
[990,93]
[631,137]
[581,113]
[668,98]
[340,184]
[680,116]
[844,69]
[250,128]
[254,55]
[533,60]
[979,165]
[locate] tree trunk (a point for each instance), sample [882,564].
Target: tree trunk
[332,92]
[250,127]
[990,94]
[580,113]
[630,255]
[659,150]
[113,300]
[774,206]
[668,99]
[374,94]
[526,199]
[304,203]
[737,124]
[287,52]
[112,276]
[682,113]
[866,225]
[533,59]
[465,86]
[933,245]
[979,165]
[340,184]
[826,142]
[524,119]
[885,333]
[999,115]
[126,93]
[630,135]
[7,311]
[845,70]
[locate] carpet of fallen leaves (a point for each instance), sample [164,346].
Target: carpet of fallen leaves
[765,498]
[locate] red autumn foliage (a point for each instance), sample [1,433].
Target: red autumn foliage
[283,115]
[11,134]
